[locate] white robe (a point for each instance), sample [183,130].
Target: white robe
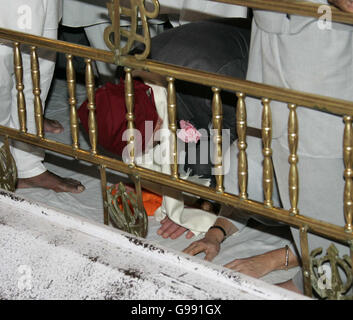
[294,52]
[38,17]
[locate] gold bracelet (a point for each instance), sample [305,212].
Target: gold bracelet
[287,258]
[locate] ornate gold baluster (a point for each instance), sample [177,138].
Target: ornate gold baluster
[21,101]
[130,117]
[242,145]
[348,172]
[217,119]
[38,107]
[293,180]
[305,260]
[267,152]
[71,86]
[172,115]
[92,123]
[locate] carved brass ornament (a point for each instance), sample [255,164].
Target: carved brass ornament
[329,285]
[136,12]
[124,211]
[8,170]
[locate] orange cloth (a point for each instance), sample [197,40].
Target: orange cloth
[151,201]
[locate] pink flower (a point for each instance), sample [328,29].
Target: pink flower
[188,132]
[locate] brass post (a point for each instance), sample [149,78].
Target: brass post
[71,86]
[267,152]
[116,24]
[217,119]
[130,117]
[172,115]
[21,101]
[305,260]
[348,172]
[138,189]
[293,180]
[38,107]
[92,123]
[242,146]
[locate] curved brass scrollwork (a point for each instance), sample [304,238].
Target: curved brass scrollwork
[136,12]
[329,285]
[124,211]
[8,170]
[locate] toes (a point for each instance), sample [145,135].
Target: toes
[71,185]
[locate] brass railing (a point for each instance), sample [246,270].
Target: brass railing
[216,82]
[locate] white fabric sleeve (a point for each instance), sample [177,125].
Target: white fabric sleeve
[196,220]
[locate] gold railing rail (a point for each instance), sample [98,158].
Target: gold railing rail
[308,100]
[326,104]
[57,45]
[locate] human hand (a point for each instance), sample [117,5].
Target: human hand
[172,230]
[210,245]
[256,266]
[345,5]
[260,265]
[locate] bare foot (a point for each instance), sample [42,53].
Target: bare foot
[49,180]
[52,126]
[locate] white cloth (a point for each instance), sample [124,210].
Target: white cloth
[157,158]
[95,12]
[293,52]
[78,13]
[38,17]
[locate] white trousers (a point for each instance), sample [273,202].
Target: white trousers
[38,17]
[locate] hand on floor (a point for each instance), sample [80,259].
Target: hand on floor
[209,246]
[256,266]
[170,229]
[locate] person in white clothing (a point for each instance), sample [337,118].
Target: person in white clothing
[38,17]
[196,10]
